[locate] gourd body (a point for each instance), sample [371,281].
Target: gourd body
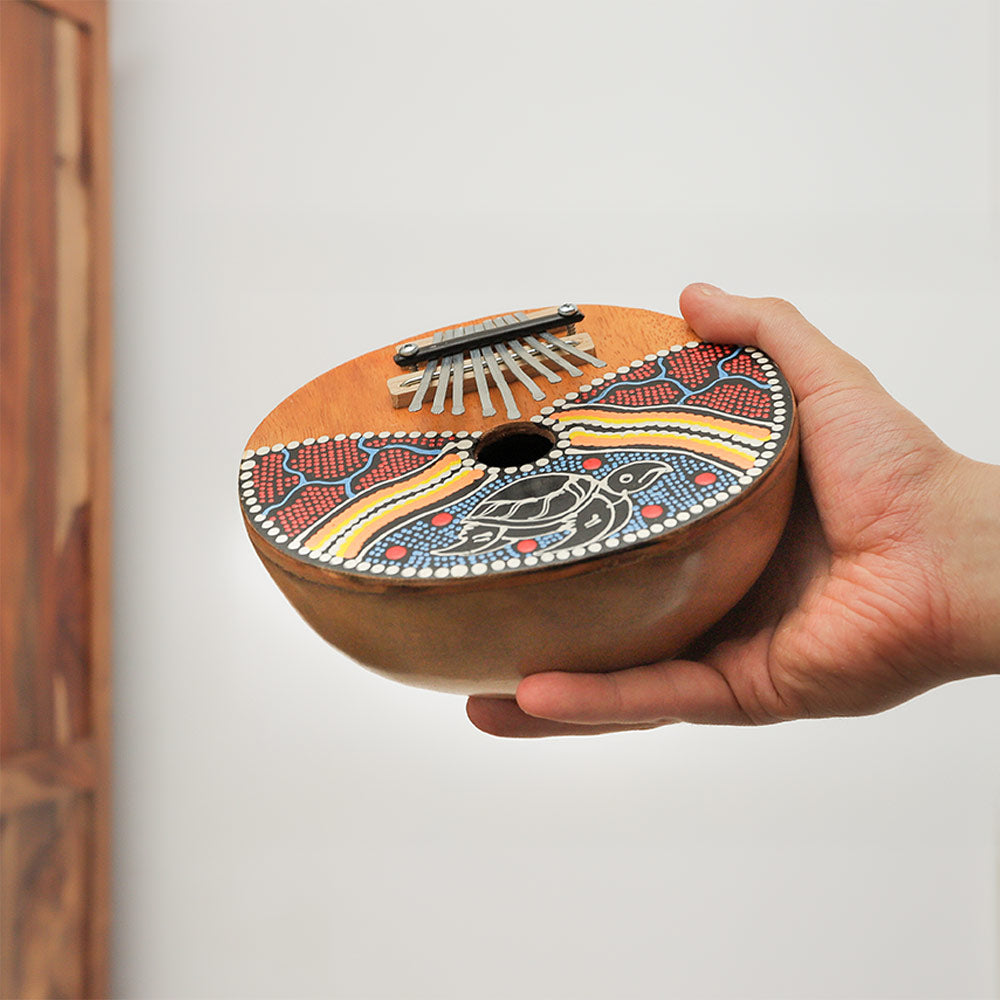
[654,494]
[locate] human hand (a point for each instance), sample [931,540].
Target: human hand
[885,584]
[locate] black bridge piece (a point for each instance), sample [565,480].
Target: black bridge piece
[483,338]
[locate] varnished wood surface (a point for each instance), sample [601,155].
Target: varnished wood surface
[611,612]
[482,634]
[28,302]
[55,431]
[402,388]
[353,396]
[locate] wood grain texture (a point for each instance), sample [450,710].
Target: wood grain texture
[55,430]
[38,776]
[605,614]
[402,388]
[28,388]
[45,850]
[86,14]
[96,84]
[353,396]
[483,634]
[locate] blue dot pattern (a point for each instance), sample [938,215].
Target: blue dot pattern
[674,492]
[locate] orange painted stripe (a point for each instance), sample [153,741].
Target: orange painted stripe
[726,452]
[678,417]
[352,544]
[370,500]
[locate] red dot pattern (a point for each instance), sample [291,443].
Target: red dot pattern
[743,364]
[331,460]
[697,365]
[308,506]
[692,367]
[649,370]
[327,460]
[654,394]
[392,462]
[270,481]
[737,398]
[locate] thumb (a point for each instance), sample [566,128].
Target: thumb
[809,361]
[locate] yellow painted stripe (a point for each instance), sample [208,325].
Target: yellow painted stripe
[352,543]
[681,418]
[367,502]
[726,452]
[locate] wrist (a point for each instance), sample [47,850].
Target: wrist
[969,524]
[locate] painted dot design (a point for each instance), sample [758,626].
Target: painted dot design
[744,364]
[695,368]
[425,539]
[311,502]
[271,481]
[739,400]
[664,442]
[394,459]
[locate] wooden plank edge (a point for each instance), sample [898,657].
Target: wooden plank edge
[86,13]
[98,117]
[34,777]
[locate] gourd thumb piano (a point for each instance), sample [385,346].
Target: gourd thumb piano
[557,489]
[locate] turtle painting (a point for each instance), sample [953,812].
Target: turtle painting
[584,508]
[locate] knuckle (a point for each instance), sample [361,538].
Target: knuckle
[779,307]
[615,698]
[760,699]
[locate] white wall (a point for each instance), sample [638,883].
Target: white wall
[297,183]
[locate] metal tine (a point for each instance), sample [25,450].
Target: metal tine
[520,351]
[425,380]
[568,348]
[479,373]
[502,349]
[574,351]
[458,380]
[552,356]
[444,377]
[526,380]
[501,383]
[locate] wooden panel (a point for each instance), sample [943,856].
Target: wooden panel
[71,376]
[54,514]
[27,348]
[38,776]
[44,851]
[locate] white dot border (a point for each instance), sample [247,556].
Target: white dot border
[550,416]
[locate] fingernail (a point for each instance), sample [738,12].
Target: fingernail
[707,289]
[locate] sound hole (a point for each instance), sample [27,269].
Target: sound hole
[514,444]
